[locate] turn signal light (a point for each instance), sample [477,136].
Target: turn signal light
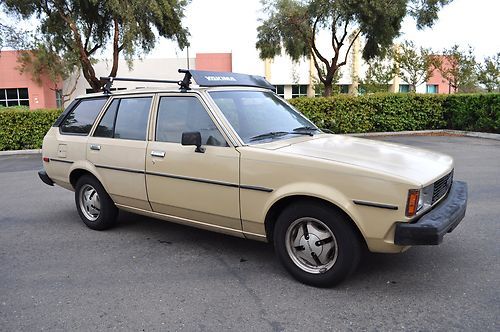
[412,203]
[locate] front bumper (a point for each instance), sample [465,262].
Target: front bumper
[432,226]
[45,178]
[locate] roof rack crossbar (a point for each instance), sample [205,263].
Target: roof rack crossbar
[184,84]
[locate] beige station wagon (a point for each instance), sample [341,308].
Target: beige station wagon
[227,154]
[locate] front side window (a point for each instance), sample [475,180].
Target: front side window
[82,117]
[256,113]
[177,115]
[125,118]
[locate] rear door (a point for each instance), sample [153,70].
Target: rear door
[117,149]
[200,187]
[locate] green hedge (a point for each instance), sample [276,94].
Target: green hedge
[398,112]
[22,129]
[475,112]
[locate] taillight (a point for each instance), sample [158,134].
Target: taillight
[412,203]
[46,159]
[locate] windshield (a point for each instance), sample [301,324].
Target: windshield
[259,116]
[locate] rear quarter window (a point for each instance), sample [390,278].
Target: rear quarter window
[80,119]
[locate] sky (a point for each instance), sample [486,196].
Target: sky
[230,25]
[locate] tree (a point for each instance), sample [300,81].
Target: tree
[459,68]
[293,25]
[42,61]
[11,36]
[79,29]
[319,87]
[489,73]
[381,71]
[414,65]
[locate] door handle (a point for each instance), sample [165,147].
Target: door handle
[160,154]
[95,147]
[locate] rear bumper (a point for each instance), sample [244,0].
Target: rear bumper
[45,178]
[432,226]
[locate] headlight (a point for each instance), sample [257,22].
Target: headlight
[425,198]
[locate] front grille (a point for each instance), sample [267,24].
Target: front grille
[442,186]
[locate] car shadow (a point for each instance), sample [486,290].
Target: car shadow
[236,250]
[232,248]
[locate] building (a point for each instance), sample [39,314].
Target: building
[291,79]
[18,89]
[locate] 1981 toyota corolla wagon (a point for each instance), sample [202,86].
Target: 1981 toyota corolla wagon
[229,155]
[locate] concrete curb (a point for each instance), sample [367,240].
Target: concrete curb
[20,152]
[443,132]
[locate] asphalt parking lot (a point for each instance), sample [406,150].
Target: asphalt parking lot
[56,274]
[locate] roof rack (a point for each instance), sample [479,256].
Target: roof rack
[202,78]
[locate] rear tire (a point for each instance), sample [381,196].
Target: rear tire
[316,244]
[95,207]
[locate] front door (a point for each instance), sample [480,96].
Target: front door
[117,149]
[200,187]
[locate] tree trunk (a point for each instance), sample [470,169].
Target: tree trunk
[328,89]
[89,74]
[116,50]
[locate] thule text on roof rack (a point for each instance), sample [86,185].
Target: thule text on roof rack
[202,78]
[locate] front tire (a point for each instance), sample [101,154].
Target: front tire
[316,244]
[95,207]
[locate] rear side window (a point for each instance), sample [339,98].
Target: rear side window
[107,124]
[82,117]
[126,118]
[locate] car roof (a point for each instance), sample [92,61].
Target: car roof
[202,78]
[154,90]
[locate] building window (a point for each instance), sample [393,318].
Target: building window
[14,97]
[344,88]
[404,88]
[280,90]
[432,88]
[299,91]
[59,98]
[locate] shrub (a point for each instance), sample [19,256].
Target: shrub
[473,112]
[399,112]
[23,129]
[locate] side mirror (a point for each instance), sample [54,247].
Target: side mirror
[193,138]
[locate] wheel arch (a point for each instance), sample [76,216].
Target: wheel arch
[82,169]
[278,206]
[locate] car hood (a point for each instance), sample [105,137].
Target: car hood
[413,164]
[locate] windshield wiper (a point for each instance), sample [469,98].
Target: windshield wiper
[278,133]
[306,128]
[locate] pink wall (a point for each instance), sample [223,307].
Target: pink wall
[438,79]
[214,61]
[40,96]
